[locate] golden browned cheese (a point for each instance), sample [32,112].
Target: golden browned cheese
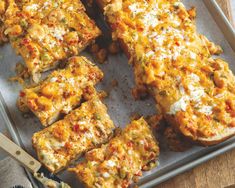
[46,31]
[62,90]
[64,141]
[115,164]
[194,91]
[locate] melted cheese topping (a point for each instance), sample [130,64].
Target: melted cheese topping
[44,32]
[62,90]
[79,131]
[161,40]
[115,164]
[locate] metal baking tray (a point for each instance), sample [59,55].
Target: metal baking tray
[210,21]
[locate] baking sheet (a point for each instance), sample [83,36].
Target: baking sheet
[120,102]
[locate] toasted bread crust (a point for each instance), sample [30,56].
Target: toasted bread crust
[200,140]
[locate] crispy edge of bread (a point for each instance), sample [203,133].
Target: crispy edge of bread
[210,141]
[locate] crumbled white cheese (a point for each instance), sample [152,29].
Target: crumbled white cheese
[162,57]
[206,110]
[175,22]
[67,108]
[181,88]
[160,39]
[192,55]
[46,4]
[142,142]
[150,19]
[149,54]
[71,81]
[57,32]
[106,175]
[70,8]
[135,8]
[89,135]
[153,35]
[219,95]
[111,163]
[32,7]
[196,93]
[194,117]
[194,77]
[49,158]
[57,145]
[61,85]
[52,43]
[162,73]
[53,79]
[82,122]
[180,105]
[178,78]
[175,55]
[56,4]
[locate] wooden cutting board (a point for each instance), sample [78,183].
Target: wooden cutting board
[218,172]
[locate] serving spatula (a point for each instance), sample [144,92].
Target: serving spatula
[35,167]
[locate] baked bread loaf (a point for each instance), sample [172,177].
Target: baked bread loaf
[194,91]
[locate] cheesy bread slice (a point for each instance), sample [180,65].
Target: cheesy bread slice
[81,130]
[45,32]
[62,90]
[194,91]
[117,162]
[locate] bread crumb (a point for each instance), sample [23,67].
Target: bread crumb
[102,94]
[113,48]
[22,73]
[101,55]
[114,83]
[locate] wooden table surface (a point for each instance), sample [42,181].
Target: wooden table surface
[218,172]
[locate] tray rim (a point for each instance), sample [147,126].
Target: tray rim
[229,33]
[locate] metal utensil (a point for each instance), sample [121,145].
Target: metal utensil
[35,167]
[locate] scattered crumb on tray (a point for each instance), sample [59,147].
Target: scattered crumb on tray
[102,94]
[114,83]
[113,48]
[100,54]
[21,73]
[21,106]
